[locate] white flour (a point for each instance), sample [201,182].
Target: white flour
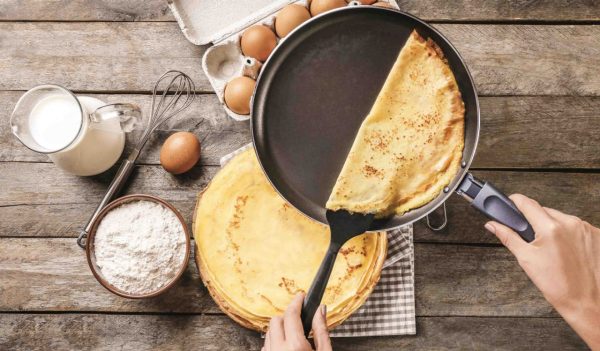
[140,246]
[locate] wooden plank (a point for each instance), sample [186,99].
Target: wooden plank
[456,280]
[95,55]
[21,184]
[512,10]
[149,332]
[85,10]
[451,280]
[123,332]
[60,204]
[100,56]
[513,129]
[529,59]
[539,132]
[457,333]
[156,10]
[53,275]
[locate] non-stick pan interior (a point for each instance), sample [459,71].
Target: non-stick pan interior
[316,89]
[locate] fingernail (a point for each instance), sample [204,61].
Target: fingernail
[324,311]
[490,227]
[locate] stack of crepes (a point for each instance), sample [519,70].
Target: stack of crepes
[255,251]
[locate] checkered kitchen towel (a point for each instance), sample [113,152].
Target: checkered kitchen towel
[390,310]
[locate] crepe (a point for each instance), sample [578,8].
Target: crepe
[410,145]
[255,251]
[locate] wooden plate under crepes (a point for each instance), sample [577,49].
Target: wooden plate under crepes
[255,252]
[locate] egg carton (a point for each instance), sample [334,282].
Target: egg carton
[224,60]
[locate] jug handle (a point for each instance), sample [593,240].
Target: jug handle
[129,115]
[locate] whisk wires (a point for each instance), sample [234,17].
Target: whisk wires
[173,92]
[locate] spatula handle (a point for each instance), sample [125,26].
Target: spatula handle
[317,289]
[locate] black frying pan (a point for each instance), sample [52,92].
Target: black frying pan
[314,92]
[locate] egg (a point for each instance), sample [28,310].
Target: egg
[258,41]
[320,6]
[383,4]
[367,2]
[289,18]
[238,93]
[180,152]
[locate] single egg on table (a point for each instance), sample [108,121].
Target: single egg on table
[289,18]
[258,41]
[180,152]
[238,92]
[320,6]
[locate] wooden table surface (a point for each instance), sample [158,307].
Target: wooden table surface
[537,68]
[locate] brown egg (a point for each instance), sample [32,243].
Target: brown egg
[383,4]
[367,2]
[320,6]
[258,41]
[180,152]
[238,93]
[289,18]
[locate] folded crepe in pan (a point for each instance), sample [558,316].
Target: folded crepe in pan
[255,251]
[410,145]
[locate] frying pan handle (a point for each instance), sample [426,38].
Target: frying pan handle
[496,205]
[315,293]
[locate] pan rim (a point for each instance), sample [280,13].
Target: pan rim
[466,160]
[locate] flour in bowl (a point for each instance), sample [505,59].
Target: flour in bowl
[140,247]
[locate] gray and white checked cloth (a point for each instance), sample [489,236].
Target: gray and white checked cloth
[390,310]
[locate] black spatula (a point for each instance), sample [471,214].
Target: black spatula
[343,226]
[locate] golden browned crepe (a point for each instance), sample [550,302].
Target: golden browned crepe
[255,252]
[410,145]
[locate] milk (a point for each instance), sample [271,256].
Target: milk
[54,121]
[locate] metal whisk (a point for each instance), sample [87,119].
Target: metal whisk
[173,92]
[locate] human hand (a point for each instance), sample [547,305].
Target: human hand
[563,262]
[286,333]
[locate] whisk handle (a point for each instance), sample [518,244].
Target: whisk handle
[113,189]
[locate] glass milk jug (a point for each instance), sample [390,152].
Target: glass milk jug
[81,135]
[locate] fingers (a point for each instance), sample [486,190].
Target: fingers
[319,327]
[531,209]
[291,319]
[267,346]
[276,332]
[508,238]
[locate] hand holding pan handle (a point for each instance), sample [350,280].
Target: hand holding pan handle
[494,204]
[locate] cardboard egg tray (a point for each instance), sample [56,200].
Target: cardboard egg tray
[222,22]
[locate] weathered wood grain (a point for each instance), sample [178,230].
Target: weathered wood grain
[516,131]
[452,280]
[100,56]
[38,332]
[458,333]
[53,275]
[529,59]
[511,10]
[42,183]
[85,10]
[60,204]
[95,55]
[156,10]
[124,332]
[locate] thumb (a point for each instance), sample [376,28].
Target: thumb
[319,327]
[508,238]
